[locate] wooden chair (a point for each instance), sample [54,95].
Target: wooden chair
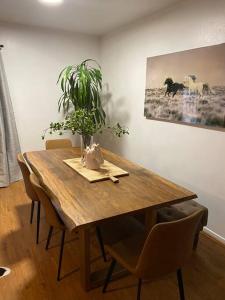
[56,144]
[166,249]
[52,218]
[30,192]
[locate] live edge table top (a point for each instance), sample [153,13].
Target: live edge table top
[81,203]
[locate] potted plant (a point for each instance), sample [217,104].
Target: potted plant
[81,87]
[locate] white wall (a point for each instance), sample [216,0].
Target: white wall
[190,156]
[33,59]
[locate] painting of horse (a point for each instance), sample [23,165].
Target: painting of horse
[173,87]
[195,87]
[187,87]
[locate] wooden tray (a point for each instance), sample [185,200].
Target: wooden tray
[107,170]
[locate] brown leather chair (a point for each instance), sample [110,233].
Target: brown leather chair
[181,210]
[30,192]
[119,228]
[167,247]
[52,218]
[56,144]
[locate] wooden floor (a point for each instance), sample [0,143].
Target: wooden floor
[33,273]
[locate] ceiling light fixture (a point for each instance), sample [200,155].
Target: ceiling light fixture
[52,2]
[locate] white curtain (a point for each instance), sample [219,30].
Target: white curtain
[9,142]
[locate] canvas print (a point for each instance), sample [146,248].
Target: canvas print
[187,87]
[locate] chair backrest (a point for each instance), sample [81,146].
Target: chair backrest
[26,177]
[57,144]
[168,247]
[52,217]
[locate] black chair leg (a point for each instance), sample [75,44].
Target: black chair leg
[139,289]
[38,221]
[49,237]
[101,244]
[180,283]
[32,212]
[109,275]
[61,254]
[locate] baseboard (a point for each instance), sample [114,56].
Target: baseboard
[214,235]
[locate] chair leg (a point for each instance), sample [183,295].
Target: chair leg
[109,275]
[101,244]
[139,289]
[38,221]
[32,212]
[49,237]
[180,283]
[61,254]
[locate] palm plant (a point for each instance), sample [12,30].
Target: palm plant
[81,86]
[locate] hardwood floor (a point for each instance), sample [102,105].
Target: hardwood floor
[34,269]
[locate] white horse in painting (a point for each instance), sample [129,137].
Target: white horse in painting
[193,86]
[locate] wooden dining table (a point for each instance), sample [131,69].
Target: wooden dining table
[82,204]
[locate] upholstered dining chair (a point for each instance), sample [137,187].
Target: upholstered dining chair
[52,218]
[181,210]
[112,231]
[167,247]
[30,192]
[59,143]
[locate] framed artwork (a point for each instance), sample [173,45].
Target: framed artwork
[187,87]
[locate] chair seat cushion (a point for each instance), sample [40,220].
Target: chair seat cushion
[182,210]
[127,251]
[120,228]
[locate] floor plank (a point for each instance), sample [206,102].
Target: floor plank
[34,270]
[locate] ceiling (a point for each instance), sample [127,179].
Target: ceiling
[87,16]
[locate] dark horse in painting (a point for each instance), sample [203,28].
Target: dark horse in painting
[173,87]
